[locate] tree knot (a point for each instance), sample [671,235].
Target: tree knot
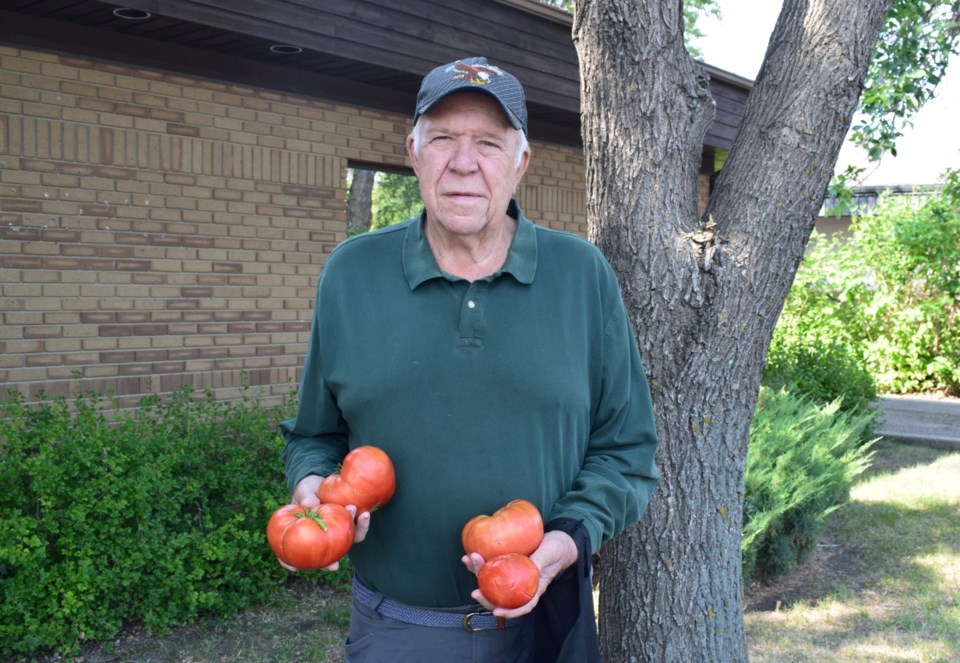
[704,242]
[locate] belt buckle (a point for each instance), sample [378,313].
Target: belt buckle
[501,622]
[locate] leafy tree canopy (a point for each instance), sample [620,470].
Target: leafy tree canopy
[908,64]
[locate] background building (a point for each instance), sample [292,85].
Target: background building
[171,183]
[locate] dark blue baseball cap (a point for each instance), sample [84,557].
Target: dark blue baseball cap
[475,75]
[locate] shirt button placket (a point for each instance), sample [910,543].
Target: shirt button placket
[471,317]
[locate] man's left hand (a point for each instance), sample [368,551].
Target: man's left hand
[556,553]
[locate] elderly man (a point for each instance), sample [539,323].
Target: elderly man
[492,359]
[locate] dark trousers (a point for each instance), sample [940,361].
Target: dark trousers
[374,638]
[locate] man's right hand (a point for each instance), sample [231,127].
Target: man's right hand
[305,494]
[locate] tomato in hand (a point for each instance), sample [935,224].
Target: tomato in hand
[366,480]
[514,528]
[309,538]
[509,581]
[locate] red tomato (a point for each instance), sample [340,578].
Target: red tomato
[509,581]
[514,528]
[310,538]
[366,480]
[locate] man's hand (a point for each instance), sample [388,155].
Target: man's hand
[305,494]
[556,553]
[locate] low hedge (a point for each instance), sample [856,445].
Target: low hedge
[802,460]
[154,516]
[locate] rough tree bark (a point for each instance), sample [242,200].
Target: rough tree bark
[360,201]
[704,291]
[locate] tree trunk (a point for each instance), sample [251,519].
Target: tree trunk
[360,201]
[704,291]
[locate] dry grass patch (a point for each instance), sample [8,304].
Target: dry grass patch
[305,623]
[885,585]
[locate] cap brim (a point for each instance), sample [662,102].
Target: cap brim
[511,118]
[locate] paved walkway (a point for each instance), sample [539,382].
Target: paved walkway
[932,420]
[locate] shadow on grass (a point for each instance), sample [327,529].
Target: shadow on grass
[887,575]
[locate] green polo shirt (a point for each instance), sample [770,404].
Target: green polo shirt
[525,384]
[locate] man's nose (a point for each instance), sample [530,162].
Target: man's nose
[464,159]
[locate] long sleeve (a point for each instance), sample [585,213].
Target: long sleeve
[613,488]
[316,439]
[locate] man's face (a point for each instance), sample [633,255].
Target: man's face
[466,163]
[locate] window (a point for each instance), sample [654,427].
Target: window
[379,198]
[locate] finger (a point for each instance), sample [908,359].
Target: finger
[522,610]
[516,612]
[504,612]
[470,564]
[363,526]
[305,492]
[482,600]
[331,567]
[473,562]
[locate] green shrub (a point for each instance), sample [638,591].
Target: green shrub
[821,370]
[801,462]
[813,352]
[154,516]
[909,308]
[887,297]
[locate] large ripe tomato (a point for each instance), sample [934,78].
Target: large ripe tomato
[509,581]
[514,528]
[366,480]
[309,538]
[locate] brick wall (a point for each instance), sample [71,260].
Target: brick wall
[158,230]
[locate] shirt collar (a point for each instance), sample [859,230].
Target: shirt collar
[419,264]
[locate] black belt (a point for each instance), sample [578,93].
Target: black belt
[476,620]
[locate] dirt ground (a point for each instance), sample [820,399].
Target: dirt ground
[830,565]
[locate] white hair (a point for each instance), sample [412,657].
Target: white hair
[522,143]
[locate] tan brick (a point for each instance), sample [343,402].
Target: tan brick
[98,344]
[67,319]
[179,178]
[99,371]
[20,205]
[10,360]
[62,345]
[182,129]
[20,262]
[19,347]
[38,248]
[42,332]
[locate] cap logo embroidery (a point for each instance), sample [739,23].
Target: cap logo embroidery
[473,74]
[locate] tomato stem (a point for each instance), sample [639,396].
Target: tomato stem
[319,521]
[315,517]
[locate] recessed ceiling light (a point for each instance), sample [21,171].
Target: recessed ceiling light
[131,14]
[286,49]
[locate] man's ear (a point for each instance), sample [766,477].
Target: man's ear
[524,162]
[412,156]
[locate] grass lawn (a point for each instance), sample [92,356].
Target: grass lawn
[885,584]
[883,587]
[305,623]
